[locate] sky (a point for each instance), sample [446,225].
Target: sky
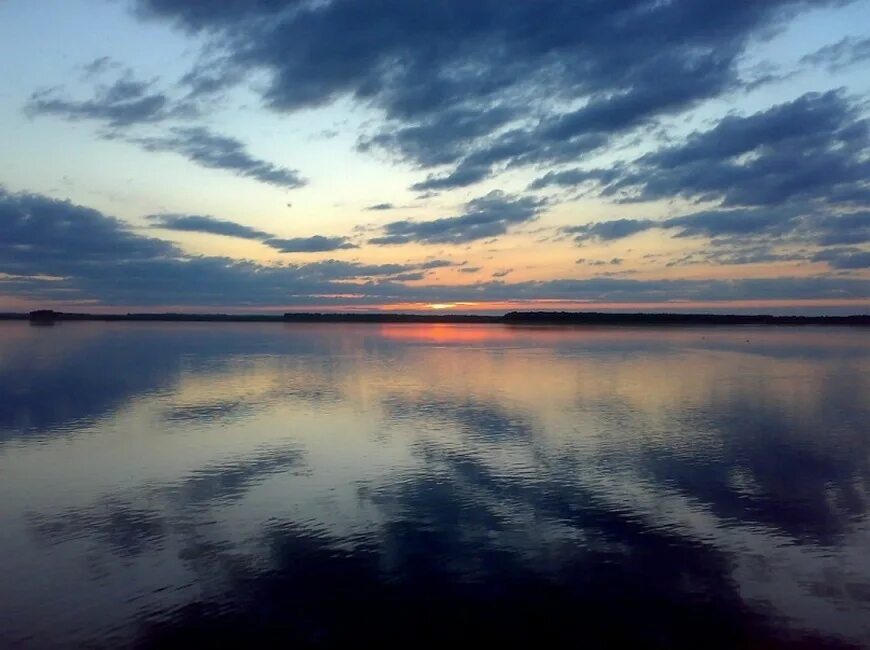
[364,155]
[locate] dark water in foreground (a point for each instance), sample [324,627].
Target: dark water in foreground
[340,484]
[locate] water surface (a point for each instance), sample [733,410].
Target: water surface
[333,484]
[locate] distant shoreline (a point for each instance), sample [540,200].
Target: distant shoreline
[46,316]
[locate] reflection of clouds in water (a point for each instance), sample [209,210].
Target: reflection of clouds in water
[226,391]
[166,543]
[440,570]
[71,376]
[128,530]
[655,477]
[788,451]
[803,490]
[470,416]
[209,412]
[126,526]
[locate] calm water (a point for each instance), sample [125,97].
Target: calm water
[219,483]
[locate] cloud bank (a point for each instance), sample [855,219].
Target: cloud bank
[57,251]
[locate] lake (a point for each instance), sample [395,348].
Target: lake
[328,485]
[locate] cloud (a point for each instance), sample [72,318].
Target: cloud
[750,235]
[610,230]
[476,87]
[206,224]
[121,104]
[216,151]
[797,157]
[844,258]
[849,228]
[736,255]
[801,224]
[616,261]
[573,178]
[380,206]
[437,264]
[98,66]
[812,148]
[313,244]
[409,277]
[849,51]
[337,269]
[129,103]
[61,252]
[214,226]
[441,137]
[484,217]
[43,236]
[193,14]
[464,175]
[767,222]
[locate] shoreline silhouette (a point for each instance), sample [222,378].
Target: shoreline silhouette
[48,316]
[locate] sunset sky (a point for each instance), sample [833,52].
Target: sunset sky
[273,155]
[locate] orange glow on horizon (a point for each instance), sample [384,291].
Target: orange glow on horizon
[10,303]
[580,305]
[444,332]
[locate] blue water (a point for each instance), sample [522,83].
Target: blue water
[338,485]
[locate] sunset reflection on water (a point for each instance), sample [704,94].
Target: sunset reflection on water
[328,483]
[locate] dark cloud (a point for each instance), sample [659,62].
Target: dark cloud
[572,178]
[469,269]
[99,65]
[749,235]
[121,104]
[849,51]
[206,224]
[464,175]
[616,261]
[208,79]
[839,229]
[191,14]
[217,151]
[804,225]
[477,86]
[844,258]
[609,230]
[440,138]
[63,251]
[778,165]
[43,236]
[436,264]
[487,216]
[606,289]
[215,226]
[313,244]
[60,252]
[337,269]
[813,148]
[381,206]
[130,103]
[409,277]
[735,255]
[718,223]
